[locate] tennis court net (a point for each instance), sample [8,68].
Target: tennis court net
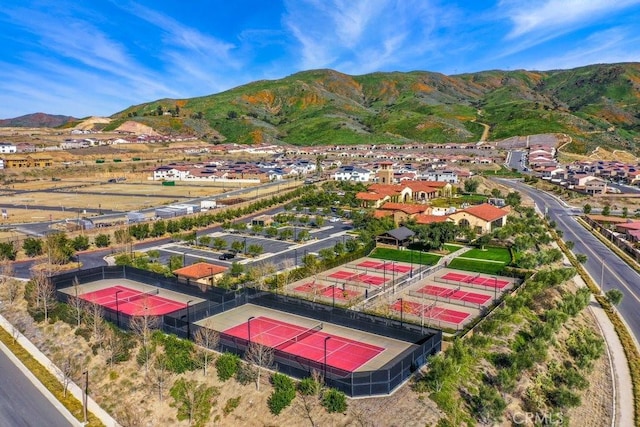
[301,336]
[141,295]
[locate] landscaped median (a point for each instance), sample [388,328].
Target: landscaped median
[44,375]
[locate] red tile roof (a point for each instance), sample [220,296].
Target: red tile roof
[200,270]
[486,212]
[429,219]
[403,207]
[630,225]
[381,214]
[369,196]
[424,186]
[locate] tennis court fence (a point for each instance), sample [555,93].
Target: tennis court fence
[423,341]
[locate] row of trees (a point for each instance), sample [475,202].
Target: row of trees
[60,249]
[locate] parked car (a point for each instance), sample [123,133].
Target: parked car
[227,255]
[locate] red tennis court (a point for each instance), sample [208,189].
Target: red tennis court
[476,280]
[387,266]
[359,277]
[342,353]
[328,291]
[431,311]
[456,294]
[132,302]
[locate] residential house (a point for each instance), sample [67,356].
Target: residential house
[8,148]
[352,173]
[400,211]
[20,162]
[482,218]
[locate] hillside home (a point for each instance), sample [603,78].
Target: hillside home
[446,175]
[19,162]
[7,148]
[352,173]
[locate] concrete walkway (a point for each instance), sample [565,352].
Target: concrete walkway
[623,411]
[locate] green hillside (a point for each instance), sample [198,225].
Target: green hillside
[597,105]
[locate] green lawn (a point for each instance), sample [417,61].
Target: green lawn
[477,266]
[415,257]
[452,248]
[491,253]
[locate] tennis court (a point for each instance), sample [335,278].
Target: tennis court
[131,301]
[462,278]
[359,277]
[431,311]
[386,266]
[456,294]
[341,353]
[331,291]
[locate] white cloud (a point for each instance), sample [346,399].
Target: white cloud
[558,16]
[609,46]
[363,36]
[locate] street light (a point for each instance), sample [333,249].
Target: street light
[85,398]
[325,356]
[249,328]
[118,309]
[245,245]
[188,320]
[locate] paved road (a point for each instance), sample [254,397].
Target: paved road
[21,403]
[604,266]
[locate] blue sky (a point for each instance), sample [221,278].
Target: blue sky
[98,57]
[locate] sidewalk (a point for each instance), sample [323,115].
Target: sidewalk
[623,413]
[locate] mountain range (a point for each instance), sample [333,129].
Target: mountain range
[597,105]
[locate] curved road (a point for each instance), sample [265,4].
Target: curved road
[21,403]
[604,266]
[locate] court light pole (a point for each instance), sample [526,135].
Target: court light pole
[411,261]
[249,328]
[401,311]
[118,309]
[333,294]
[495,289]
[188,320]
[325,356]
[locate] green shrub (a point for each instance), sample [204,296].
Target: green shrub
[308,386]
[283,394]
[231,405]
[227,365]
[279,400]
[334,400]
[178,353]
